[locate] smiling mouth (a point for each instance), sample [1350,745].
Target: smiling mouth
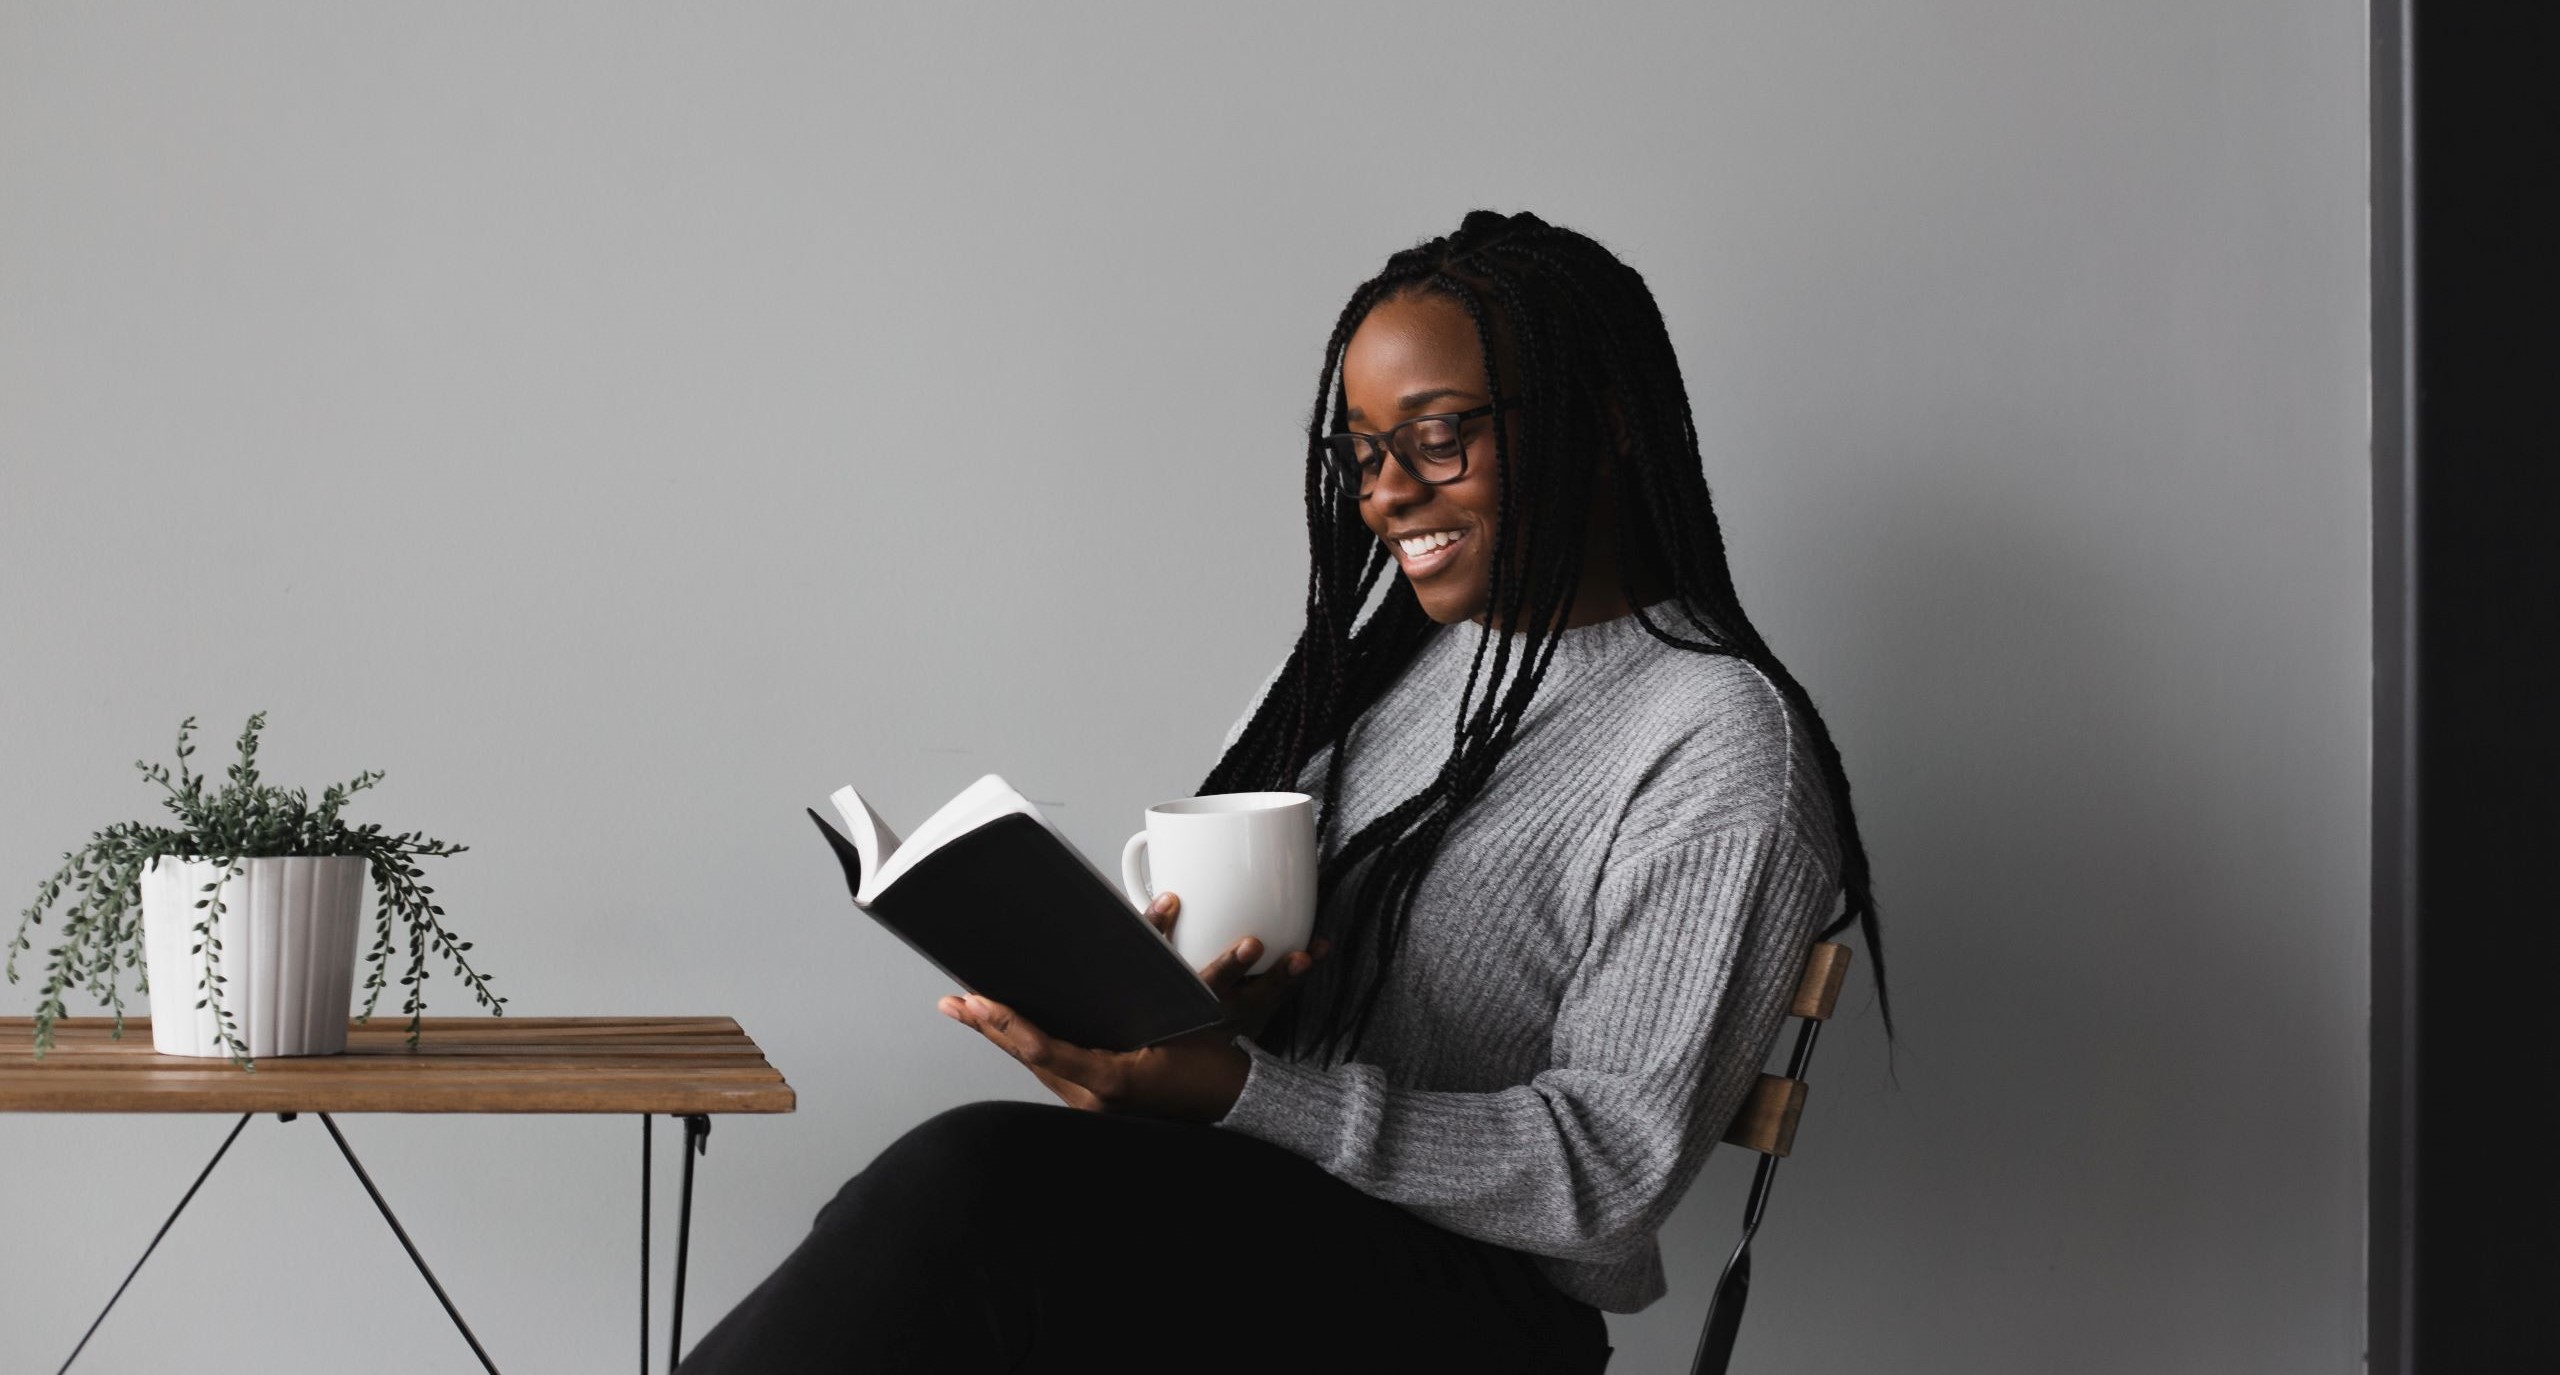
[1429,553]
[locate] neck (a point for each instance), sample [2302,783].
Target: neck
[1604,594]
[1593,605]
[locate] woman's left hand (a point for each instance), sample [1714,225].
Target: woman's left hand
[1191,1078]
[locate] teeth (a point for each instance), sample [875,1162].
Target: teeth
[1423,544]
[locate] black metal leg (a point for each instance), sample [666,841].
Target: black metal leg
[645,1133]
[1724,1315]
[411,1247]
[697,1135]
[189,1197]
[697,1141]
[1724,1311]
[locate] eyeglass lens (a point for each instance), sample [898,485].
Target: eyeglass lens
[1431,446]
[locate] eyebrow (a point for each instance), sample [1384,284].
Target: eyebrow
[1409,402]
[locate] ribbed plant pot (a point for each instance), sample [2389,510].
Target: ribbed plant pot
[288,956]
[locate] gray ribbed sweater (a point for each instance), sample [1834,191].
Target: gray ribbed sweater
[1596,964]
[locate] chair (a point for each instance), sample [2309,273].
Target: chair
[1766,1123]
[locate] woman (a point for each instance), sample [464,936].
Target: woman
[1582,829]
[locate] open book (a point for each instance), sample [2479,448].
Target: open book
[989,892]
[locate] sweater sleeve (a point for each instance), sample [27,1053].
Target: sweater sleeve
[1662,1027]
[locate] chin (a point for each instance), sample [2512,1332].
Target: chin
[1449,610]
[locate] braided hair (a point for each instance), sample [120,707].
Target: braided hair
[1574,337]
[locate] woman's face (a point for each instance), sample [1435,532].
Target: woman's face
[1418,355]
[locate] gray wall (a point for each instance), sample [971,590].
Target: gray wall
[624,425]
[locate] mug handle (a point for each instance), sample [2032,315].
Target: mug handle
[1130,864]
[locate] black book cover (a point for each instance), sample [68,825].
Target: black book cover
[1010,913]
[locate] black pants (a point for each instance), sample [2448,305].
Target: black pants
[1005,1236]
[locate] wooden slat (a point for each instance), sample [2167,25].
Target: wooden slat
[1767,1121]
[670,1065]
[1826,966]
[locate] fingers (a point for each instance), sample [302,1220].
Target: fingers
[1002,1025]
[1227,972]
[1271,983]
[1069,1071]
[1162,911]
[1254,999]
[1069,1092]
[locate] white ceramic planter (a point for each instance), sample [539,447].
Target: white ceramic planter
[288,954]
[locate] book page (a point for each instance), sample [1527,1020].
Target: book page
[979,803]
[871,836]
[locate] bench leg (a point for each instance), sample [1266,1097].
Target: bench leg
[645,1124]
[189,1197]
[697,1141]
[411,1247]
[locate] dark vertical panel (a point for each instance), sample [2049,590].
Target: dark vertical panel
[2391,1145]
[2485,699]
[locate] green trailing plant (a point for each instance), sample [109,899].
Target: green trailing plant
[244,818]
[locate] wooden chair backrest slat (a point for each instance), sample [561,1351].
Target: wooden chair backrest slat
[1826,967]
[1767,1120]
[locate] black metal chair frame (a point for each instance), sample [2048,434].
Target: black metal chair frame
[1733,1288]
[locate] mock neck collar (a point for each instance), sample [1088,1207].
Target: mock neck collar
[1580,648]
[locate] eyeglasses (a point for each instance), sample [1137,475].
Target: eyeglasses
[1433,448]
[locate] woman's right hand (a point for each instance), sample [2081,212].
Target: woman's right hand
[1248,999]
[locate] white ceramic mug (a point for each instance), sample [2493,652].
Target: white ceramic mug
[1244,864]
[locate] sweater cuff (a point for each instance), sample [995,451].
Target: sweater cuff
[1290,1105]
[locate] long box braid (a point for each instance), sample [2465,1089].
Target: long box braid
[1575,336]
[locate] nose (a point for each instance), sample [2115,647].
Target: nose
[1394,489]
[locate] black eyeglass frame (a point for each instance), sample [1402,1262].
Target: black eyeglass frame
[1352,471]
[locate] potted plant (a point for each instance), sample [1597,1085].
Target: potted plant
[241,919]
